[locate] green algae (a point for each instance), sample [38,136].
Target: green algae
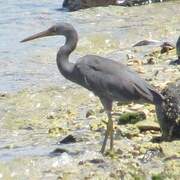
[131,118]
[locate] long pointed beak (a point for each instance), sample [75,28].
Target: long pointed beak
[39,35]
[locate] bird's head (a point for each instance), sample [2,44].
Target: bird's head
[58,29]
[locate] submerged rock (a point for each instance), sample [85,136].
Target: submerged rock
[169,112]
[58,151]
[68,139]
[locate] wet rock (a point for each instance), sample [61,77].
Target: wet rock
[150,147]
[90,113]
[56,131]
[166,47]
[50,116]
[173,157]
[97,126]
[131,118]
[58,151]
[68,139]
[2,95]
[74,5]
[96,161]
[168,113]
[148,126]
[171,148]
[93,161]
[175,62]
[128,131]
[158,177]
[151,60]
[146,42]
[28,128]
[150,154]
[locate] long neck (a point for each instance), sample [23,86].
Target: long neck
[65,67]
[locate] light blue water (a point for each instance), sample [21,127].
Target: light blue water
[33,64]
[17,20]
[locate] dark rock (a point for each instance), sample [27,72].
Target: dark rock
[168,113]
[96,161]
[151,60]
[3,95]
[68,139]
[166,47]
[58,152]
[175,62]
[146,42]
[28,128]
[89,113]
[150,154]
[74,5]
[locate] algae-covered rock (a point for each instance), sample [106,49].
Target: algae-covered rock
[131,118]
[171,148]
[56,131]
[148,125]
[128,131]
[168,113]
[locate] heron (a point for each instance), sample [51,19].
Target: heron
[107,79]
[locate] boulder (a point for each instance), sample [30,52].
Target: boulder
[74,5]
[168,113]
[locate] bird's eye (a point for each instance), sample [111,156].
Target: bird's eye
[53,29]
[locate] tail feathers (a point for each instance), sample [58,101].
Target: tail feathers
[157,97]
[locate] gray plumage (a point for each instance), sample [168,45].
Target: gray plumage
[107,79]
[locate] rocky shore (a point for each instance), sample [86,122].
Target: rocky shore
[38,120]
[74,5]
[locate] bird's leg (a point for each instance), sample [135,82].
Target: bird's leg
[109,131]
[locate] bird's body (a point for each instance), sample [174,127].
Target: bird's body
[107,79]
[112,80]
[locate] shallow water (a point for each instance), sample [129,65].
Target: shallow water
[27,116]
[102,30]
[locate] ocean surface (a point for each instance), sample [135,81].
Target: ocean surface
[102,30]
